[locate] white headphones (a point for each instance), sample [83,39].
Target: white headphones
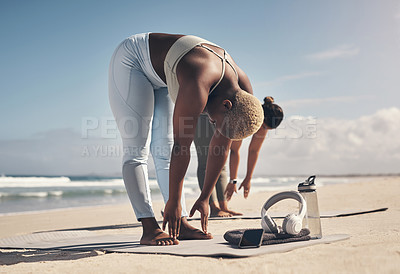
[292,223]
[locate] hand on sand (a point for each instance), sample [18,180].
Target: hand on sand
[230,188]
[172,217]
[202,207]
[246,184]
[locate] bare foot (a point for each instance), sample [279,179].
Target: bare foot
[189,232]
[217,212]
[153,235]
[223,205]
[220,213]
[233,213]
[157,237]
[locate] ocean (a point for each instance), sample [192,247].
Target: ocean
[20,194]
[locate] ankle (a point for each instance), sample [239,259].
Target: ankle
[149,224]
[184,222]
[223,205]
[214,207]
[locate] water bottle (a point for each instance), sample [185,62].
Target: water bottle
[312,219]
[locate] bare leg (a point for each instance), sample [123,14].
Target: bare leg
[216,211]
[224,206]
[153,235]
[189,232]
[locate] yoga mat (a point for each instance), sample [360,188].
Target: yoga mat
[87,241]
[333,214]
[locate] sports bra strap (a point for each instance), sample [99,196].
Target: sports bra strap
[223,59]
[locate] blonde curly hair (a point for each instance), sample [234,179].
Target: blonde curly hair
[244,118]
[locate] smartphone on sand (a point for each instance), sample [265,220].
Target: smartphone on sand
[251,238]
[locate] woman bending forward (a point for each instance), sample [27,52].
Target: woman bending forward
[159,84]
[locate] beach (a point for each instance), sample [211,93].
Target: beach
[374,246]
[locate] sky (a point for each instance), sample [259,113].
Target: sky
[333,66]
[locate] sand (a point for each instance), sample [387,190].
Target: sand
[374,246]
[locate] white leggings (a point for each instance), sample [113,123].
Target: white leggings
[143,111]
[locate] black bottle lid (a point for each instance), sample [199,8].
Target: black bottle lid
[308,185]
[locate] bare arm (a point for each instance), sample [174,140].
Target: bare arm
[191,100]
[195,78]
[234,159]
[217,154]
[254,149]
[184,122]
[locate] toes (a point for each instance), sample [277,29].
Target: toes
[164,242]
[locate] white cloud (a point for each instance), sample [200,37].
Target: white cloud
[305,145]
[338,52]
[301,145]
